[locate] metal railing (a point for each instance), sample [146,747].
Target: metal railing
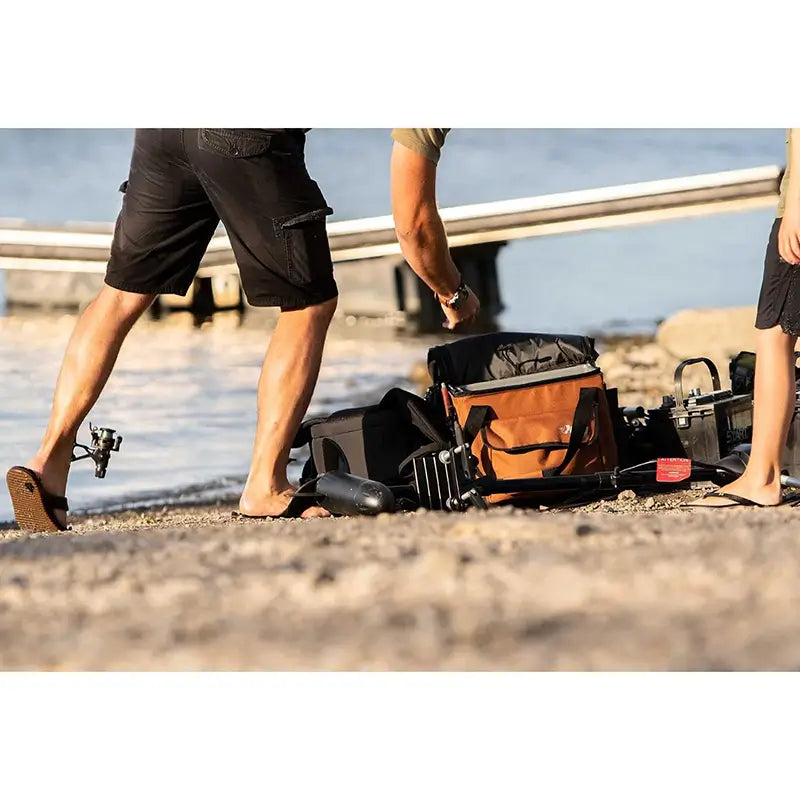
[80,247]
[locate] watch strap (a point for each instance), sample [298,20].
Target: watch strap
[455,298]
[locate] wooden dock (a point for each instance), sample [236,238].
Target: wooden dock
[42,263]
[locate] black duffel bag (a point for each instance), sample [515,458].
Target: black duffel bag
[496,356]
[375,442]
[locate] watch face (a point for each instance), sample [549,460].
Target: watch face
[459,297]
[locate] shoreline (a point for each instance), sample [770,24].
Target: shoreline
[352,336]
[631,582]
[639,365]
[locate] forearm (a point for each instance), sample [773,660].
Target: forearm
[424,244]
[419,227]
[793,186]
[789,231]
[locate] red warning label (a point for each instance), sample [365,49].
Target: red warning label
[673,470]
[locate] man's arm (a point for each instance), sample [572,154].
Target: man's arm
[789,232]
[421,232]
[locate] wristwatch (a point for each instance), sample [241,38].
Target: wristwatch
[458,299]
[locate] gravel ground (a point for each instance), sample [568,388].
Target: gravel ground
[631,583]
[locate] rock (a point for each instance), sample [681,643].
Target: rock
[611,360]
[419,374]
[717,333]
[649,355]
[325,575]
[617,374]
[626,495]
[650,502]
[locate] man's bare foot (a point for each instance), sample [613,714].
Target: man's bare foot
[769,495]
[264,504]
[274,504]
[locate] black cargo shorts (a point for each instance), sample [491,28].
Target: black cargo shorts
[183,181]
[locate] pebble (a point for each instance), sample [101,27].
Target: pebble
[650,502]
[627,494]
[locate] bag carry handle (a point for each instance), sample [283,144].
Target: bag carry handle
[400,400]
[521,449]
[425,450]
[585,412]
[588,400]
[678,378]
[476,419]
[333,456]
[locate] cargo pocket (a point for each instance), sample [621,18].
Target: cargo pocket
[234,142]
[305,243]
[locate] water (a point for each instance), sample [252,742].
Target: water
[176,410]
[187,415]
[577,281]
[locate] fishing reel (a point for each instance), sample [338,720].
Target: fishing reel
[104,443]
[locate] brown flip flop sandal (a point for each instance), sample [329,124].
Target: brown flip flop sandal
[33,504]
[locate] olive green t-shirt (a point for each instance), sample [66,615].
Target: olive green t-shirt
[785,181]
[427,142]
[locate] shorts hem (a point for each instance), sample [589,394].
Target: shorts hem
[291,302]
[762,326]
[788,329]
[124,286]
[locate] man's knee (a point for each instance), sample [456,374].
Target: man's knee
[327,309]
[320,314]
[127,303]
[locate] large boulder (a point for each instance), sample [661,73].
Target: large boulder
[717,333]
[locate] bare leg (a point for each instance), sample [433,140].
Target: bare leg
[288,376]
[773,407]
[88,361]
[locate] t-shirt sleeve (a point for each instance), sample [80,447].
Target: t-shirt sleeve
[428,142]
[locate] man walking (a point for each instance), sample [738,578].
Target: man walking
[182,182]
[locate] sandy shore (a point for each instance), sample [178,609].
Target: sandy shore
[627,584]
[634,583]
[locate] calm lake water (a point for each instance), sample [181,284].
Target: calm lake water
[186,401]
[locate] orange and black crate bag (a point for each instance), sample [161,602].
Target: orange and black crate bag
[531,405]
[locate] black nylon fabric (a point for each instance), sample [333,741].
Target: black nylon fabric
[495,356]
[374,442]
